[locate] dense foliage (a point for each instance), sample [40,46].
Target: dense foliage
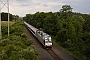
[4,16]
[71,30]
[17,46]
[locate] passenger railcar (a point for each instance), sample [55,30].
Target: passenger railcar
[43,38]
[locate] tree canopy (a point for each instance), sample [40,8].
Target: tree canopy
[4,16]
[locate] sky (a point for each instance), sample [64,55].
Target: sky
[23,7]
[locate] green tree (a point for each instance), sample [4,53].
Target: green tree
[66,8]
[50,24]
[4,16]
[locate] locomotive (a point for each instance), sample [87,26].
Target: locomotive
[42,37]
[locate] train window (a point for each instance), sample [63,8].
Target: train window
[46,41]
[38,31]
[41,33]
[50,41]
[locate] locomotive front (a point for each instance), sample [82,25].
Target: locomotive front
[48,41]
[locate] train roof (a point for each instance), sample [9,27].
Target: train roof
[45,34]
[33,28]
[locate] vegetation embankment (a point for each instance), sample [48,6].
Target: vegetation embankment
[17,46]
[5,23]
[69,29]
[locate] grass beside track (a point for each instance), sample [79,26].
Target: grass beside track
[5,23]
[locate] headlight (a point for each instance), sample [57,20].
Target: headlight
[50,39]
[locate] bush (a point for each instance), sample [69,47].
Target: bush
[17,46]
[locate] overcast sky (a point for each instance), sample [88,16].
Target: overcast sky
[23,7]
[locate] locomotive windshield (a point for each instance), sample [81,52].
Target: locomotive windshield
[48,39]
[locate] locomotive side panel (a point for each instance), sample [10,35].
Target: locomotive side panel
[41,40]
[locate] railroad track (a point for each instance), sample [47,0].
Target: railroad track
[54,55]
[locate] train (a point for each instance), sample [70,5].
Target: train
[41,36]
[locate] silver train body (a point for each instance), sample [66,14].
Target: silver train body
[42,37]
